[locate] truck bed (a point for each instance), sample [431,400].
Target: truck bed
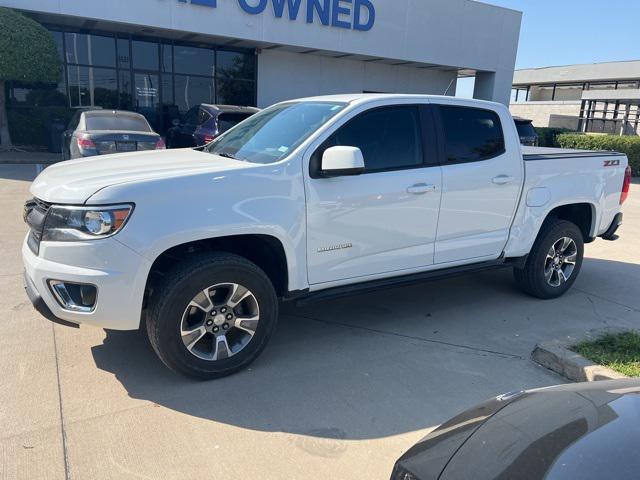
[541,153]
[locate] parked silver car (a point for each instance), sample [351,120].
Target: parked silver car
[101,132]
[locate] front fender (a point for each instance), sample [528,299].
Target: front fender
[266,200]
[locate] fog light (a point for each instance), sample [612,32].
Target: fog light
[75,297]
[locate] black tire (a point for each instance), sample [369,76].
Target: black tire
[531,279]
[167,306]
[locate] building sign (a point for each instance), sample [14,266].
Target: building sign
[349,14]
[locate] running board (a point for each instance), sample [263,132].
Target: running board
[305,297]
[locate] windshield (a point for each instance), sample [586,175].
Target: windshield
[272,134]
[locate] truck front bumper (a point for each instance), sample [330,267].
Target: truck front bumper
[118,274]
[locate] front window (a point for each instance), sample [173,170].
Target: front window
[274,133]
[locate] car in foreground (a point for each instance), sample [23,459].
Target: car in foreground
[100,132]
[527,133]
[308,199]
[203,123]
[586,431]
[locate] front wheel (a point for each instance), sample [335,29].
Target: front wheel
[554,262]
[213,316]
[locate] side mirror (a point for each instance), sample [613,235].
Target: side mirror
[175,122]
[342,161]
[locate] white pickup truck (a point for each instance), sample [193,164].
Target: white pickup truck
[308,199]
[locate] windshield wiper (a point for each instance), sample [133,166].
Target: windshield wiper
[227,155]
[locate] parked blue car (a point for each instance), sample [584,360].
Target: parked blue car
[204,122]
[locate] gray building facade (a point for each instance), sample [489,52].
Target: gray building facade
[161,57]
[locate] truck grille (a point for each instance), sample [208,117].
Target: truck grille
[35,214]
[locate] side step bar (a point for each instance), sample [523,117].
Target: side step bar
[306,298]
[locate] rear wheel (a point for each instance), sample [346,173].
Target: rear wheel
[213,316]
[554,262]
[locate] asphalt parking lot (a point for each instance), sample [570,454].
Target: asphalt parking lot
[344,388]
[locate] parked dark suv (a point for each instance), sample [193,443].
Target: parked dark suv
[202,123]
[526,132]
[98,132]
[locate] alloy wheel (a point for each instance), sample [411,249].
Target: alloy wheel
[219,321]
[560,261]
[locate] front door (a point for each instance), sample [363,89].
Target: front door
[482,176]
[383,221]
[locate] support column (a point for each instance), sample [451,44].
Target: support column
[494,86]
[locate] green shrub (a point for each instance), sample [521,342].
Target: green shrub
[548,136]
[629,145]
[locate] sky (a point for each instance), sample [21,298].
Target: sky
[564,32]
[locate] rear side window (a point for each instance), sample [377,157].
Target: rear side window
[117,123]
[203,116]
[471,134]
[388,137]
[230,120]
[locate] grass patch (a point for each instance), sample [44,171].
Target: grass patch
[618,351]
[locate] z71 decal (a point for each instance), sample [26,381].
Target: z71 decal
[612,163]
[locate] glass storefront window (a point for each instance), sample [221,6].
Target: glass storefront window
[602,86]
[193,60]
[93,50]
[236,92]
[37,95]
[89,86]
[167,58]
[235,65]
[58,39]
[540,93]
[126,99]
[145,55]
[124,60]
[568,92]
[191,90]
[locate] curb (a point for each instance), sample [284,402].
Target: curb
[556,356]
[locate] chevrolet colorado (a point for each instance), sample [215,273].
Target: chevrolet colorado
[308,199]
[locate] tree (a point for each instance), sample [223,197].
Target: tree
[28,53]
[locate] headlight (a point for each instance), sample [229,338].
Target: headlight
[74,224]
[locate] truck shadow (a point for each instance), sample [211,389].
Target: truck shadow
[382,364]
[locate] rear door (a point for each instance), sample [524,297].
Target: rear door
[383,221]
[482,176]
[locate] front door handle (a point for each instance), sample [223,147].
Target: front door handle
[421,189]
[502,179]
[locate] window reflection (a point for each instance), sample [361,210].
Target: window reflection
[198,61]
[89,86]
[191,90]
[234,65]
[93,50]
[145,55]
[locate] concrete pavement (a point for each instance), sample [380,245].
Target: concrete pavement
[344,388]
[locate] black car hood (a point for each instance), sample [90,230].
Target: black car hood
[580,431]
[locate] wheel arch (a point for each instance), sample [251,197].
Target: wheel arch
[266,251]
[582,214]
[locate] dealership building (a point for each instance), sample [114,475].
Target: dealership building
[598,98]
[161,57]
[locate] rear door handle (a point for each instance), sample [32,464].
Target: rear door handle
[502,179]
[421,189]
